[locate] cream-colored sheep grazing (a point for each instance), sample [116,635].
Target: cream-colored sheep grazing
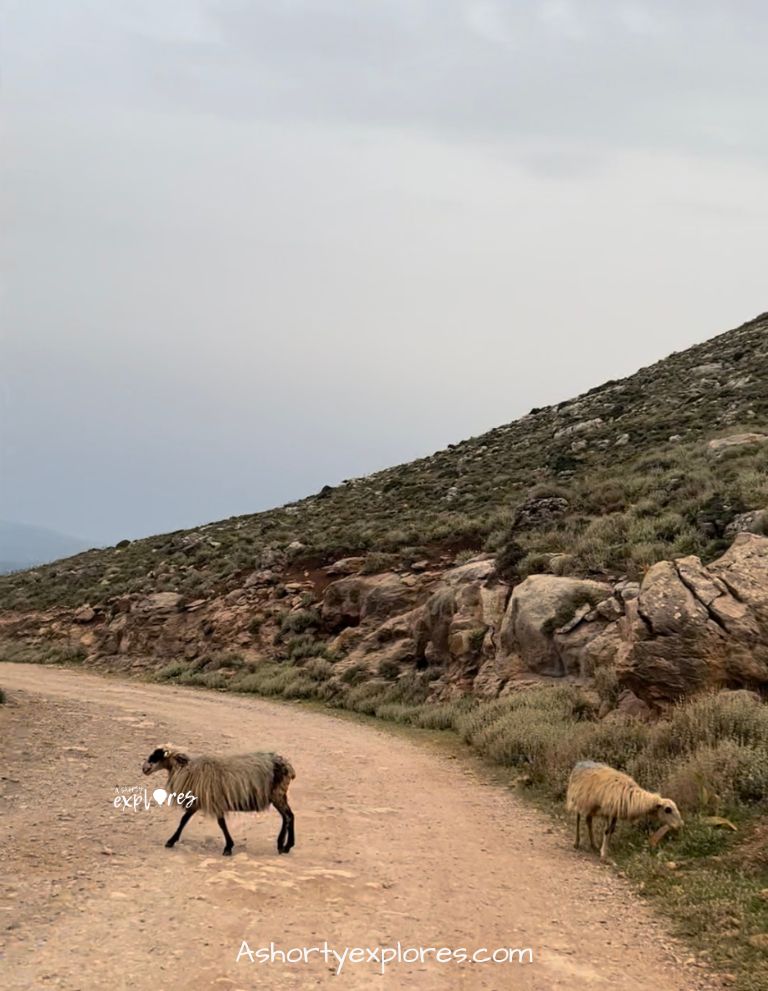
[596,789]
[216,785]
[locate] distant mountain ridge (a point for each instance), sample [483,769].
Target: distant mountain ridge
[25,546]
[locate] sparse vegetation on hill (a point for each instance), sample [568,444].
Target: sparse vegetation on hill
[627,469]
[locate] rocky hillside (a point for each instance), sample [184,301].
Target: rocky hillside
[628,469]
[587,540]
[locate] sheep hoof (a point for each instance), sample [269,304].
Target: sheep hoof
[170,844]
[227,851]
[283,851]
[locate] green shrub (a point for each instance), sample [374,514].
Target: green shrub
[737,716]
[388,668]
[251,682]
[534,563]
[299,621]
[444,715]
[354,674]
[523,736]
[615,741]
[318,669]
[607,684]
[366,697]
[378,561]
[171,671]
[219,659]
[714,778]
[49,652]
[396,712]
[277,680]
[509,557]
[304,646]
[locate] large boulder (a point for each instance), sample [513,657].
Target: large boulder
[541,606]
[719,445]
[160,602]
[346,566]
[479,569]
[587,644]
[352,600]
[455,628]
[697,627]
[462,617]
[85,614]
[743,570]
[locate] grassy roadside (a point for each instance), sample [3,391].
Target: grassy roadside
[710,755]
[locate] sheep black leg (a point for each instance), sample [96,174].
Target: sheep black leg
[578,828]
[229,842]
[285,839]
[184,820]
[283,834]
[591,835]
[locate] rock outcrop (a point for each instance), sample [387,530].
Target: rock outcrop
[453,627]
[541,607]
[719,445]
[351,600]
[694,627]
[686,628]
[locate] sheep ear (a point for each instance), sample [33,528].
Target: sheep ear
[182,759]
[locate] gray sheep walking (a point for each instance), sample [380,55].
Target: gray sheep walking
[217,785]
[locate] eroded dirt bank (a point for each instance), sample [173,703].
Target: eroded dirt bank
[395,841]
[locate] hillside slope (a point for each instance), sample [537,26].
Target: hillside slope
[628,459]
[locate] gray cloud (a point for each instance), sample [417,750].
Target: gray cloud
[685,76]
[251,248]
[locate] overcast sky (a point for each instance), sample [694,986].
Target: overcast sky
[251,247]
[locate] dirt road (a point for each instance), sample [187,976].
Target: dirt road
[395,842]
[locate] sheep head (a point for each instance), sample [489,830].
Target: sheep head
[164,759]
[668,814]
